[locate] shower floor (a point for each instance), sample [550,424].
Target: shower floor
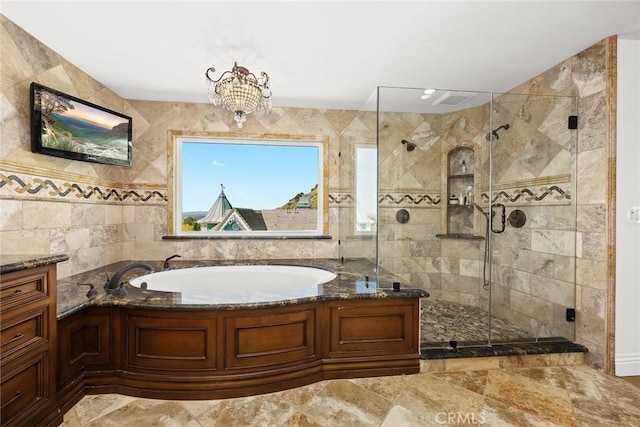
[443,321]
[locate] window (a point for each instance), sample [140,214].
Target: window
[366,189]
[229,187]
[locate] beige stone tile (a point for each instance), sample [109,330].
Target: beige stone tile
[343,403]
[560,359]
[25,242]
[399,416]
[471,380]
[10,215]
[435,365]
[199,407]
[93,407]
[300,420]
[429,396]
[497,414]
[528,360]
[472,363]
[300,395]
[142,413]
[388,387]
[263,410]
[548,402]
[71,419]
[553,242]
[592,177]
[46,215]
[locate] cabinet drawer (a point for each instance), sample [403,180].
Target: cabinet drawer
[23,388]
[24,331]
[18,288]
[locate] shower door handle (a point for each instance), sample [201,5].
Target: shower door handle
[503,219]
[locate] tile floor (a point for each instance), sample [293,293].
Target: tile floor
[572,395]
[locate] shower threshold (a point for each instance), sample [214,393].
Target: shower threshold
[453,330]
[483,349]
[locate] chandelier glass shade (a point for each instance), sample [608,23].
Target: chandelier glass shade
[239,91]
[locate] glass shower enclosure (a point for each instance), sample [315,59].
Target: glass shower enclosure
[470,196]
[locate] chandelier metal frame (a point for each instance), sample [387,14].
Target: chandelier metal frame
[239,91]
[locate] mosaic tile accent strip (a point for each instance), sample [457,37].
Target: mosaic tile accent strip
[340,199]
[551,195]
[397,199]
[415,200]
[27,186]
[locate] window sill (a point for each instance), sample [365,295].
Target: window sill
[248,237]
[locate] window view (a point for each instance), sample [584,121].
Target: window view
[248,186]
[366,189]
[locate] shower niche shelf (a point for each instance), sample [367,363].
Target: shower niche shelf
[460,191]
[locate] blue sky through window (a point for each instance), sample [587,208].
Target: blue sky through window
[256,176]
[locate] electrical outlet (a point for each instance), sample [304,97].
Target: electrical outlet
[633,214]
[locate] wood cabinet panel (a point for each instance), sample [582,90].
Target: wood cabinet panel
[219,353]
[23,389]
[174,343]
[85,339]
[260,340]
[24,332]
[28,341]
[373,328]
[20,288]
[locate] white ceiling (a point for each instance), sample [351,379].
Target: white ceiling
[319,54]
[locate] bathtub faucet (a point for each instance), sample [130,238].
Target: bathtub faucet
[165,266]
[114,286]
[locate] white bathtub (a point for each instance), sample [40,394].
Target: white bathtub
[237,283]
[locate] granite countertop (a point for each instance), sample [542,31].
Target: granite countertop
[351,283]
[9,263]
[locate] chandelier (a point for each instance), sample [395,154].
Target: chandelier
[239,91]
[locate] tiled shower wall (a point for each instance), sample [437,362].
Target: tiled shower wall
[100,214]
[533,170]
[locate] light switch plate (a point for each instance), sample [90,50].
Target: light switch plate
[633,214]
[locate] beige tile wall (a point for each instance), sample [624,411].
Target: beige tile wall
[36,218]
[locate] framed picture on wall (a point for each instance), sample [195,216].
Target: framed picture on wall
[65,126]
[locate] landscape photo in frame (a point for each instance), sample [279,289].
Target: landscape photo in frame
[66,126]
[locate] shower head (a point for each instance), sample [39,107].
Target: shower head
[494,133]
[410,145]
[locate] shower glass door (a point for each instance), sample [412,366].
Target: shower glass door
[532,194]
[476,205]
[433,167]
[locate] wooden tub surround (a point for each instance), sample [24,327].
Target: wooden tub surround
[161,345]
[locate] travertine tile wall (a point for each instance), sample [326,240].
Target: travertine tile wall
[50,205]
[46,198]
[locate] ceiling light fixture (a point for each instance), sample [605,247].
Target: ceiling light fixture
[239,91]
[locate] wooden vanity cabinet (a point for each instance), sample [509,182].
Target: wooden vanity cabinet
[211,354]
[28,349]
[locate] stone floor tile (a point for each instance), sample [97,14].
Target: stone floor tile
[266,410]
[343,403]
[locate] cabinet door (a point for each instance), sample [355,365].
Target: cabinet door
[255,340]
[85,339]
[373,328]
[171,341]
[24,389]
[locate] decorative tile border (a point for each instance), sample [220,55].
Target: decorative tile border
[340,199]
[24,186]
[404,199]
[547,195]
